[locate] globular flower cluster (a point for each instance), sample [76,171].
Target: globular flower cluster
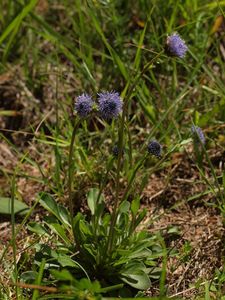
[198,134]
[175,45]
[115,151]
[155,148]
[84,105]
[109,105]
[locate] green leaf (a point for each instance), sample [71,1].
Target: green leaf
[92,199]
[64,215]
[141,254]
[139,281]
[62,275]
[37,228]
[76,227]
[111,288]
[135,204]
[155,273]
[140,44]
[49,204]
[99,211]
[90,252]
[28,276]
[66,261]
[140,217]
[17,21]
[174,230]
[58,229]
[53,223]
[19,207]
[105,221]
[55,38]
[124,207]
[84,228]
[196,117]
[85,284]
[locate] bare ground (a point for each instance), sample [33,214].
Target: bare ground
[199,234]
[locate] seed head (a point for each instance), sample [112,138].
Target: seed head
[198,134]
[155,148]
[83,105]
[175,45]
[110,105]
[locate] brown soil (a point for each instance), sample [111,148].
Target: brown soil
[187,223]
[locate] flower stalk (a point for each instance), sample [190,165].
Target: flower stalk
[120,146]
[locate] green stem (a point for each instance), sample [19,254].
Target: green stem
[102,185]
[13,230]
[121,137]
[130,148]
[137,167]
[70,176]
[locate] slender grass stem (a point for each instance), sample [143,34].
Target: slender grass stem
[14,231]
[130,147]
[56,148]
[36,292]
[201,170]
[70,176]
[215,177]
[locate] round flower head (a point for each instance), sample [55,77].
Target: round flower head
[198,134]
[110,105]
[84,105]
[115,151]
[175,46]
[155,148]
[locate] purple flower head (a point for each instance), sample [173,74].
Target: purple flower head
[110,105]
[198,134]
[155,148]
[115,151]
[83,105]
[175,46]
